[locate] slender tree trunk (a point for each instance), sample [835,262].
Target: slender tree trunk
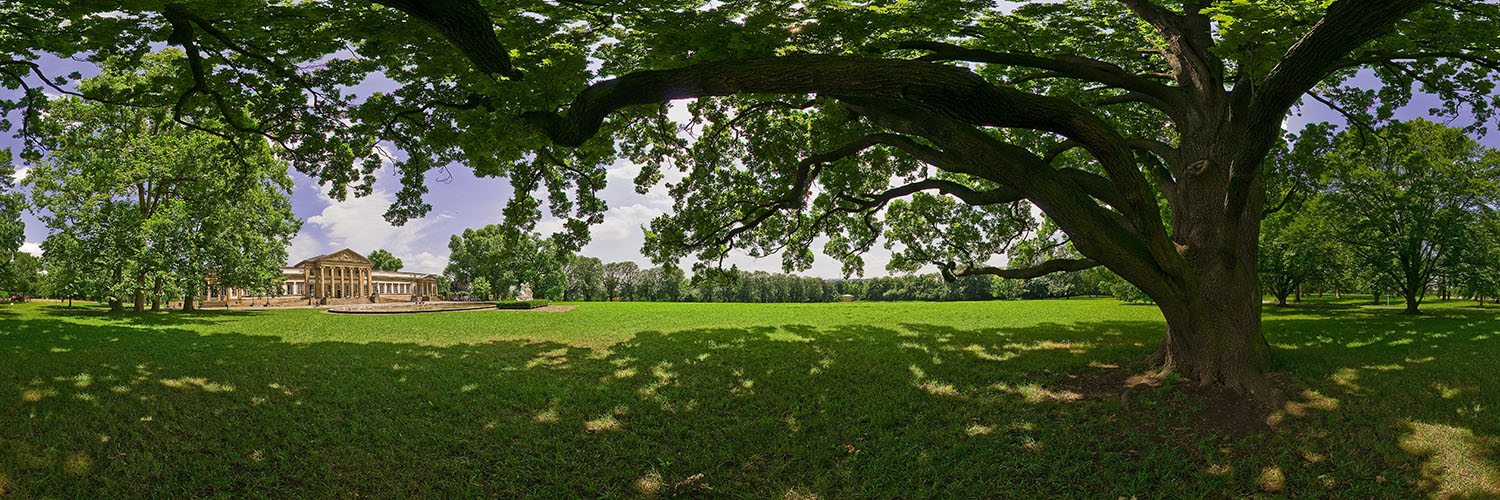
[156,296]
[187,299]
[115,304]
[1297,293]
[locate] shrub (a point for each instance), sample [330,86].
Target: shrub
[522,304]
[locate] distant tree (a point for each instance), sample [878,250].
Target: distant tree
[12,229]
[585,278]
[480,288]
[673,282]
[1412,200]
[619,278]
[507,259]
[1478,271]
[1295,247]
[23,274]
[382,260]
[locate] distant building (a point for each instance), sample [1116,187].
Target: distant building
[342,277]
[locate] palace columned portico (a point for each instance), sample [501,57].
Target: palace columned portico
[343,276]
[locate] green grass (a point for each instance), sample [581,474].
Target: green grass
[624,400]
[1389,301]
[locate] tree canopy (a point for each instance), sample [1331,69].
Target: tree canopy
[506,261]
[1415,201]
[1140,127]
[140,206]
[382,260]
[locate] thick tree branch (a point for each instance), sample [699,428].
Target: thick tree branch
[1023,273]
[1347,25]
[1138,251]
[1155,94]
[1189,38]
[968,195]
[466,24]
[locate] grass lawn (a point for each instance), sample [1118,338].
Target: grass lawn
[1386,301]
[625,400]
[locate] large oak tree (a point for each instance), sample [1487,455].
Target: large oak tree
[1138,126]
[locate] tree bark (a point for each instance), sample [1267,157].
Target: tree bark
[1413,299]
[187,299]
[1213,330]
[115,304]
[156,296]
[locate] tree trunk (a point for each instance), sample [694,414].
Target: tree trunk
[1212,310]
[115,305]
[1412,300]
[156,296]
[1281,299]
[1216,337]
[1298,294]
[187,299]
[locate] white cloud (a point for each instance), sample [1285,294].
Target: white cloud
[549,226]
[20,174]
[303,246]
[621,223]
[424,262]
[32,248]
[359,224]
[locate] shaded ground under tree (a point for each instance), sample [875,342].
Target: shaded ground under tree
[148,405]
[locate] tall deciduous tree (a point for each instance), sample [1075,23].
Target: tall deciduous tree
[12,230]
[382,260]
[506,260]
[1139,126]
[619,279]
[585,278]
[1413,200]
[156,207]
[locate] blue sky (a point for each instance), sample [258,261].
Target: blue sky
[467,201]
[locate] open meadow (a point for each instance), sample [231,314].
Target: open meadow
[1004,399]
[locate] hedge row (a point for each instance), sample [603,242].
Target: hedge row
[522,304]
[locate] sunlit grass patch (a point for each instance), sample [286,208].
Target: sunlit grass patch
[198,382]
[445,407]
[1034,393]
[1459,463]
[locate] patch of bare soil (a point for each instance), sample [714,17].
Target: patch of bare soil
[1205,411]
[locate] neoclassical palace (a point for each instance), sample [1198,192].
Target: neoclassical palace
[340,277]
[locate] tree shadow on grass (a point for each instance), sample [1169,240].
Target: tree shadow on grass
[152,318]
[1423,383]
[915,410]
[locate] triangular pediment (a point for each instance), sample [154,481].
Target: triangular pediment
[345,255]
